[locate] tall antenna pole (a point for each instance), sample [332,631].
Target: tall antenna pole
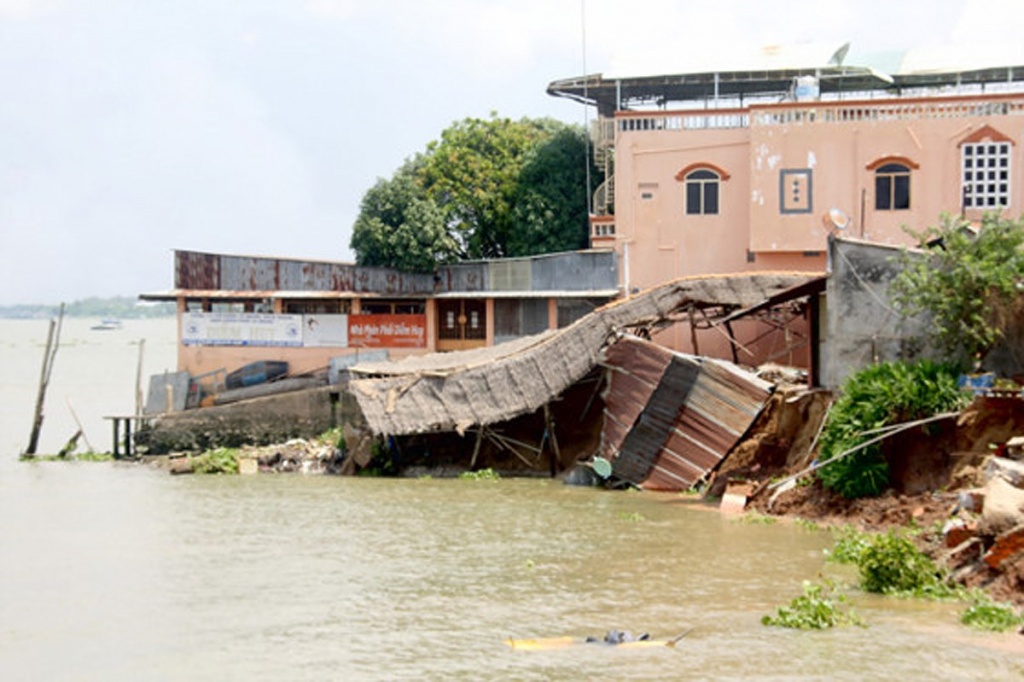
[586,111]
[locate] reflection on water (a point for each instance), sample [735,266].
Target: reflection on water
[132,574]
[111,572]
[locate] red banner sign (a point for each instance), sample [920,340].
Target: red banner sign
[387,331]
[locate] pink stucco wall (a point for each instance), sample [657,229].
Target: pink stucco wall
[833,143]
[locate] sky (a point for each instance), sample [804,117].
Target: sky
[131,128]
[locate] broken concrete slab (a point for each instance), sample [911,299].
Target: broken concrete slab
[1006,546]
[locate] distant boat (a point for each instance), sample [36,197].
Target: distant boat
[106,326]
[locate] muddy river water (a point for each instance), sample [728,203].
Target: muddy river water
[122,572]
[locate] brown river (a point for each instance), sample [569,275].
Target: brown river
[122,572]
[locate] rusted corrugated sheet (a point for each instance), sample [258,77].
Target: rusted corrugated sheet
[218,272]
[196,270]
[671,418]
[421,400]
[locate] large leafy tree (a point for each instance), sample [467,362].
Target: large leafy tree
[488,188]
[971,283]
[399,226]
[550,209]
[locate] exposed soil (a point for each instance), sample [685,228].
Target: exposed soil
[930,469]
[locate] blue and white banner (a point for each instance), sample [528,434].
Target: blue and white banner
[241,329]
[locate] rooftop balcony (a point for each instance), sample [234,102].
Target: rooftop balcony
[816,112]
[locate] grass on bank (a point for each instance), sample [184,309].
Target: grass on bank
[887,563]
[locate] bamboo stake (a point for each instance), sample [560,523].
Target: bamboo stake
[138,379]
[52,343]
[79,422]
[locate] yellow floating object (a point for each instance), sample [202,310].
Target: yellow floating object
[544,643]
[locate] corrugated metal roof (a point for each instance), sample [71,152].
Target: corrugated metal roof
[670,418]
[270,294]
[561,293]
[495,385]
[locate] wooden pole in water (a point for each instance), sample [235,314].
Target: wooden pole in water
[52,343]
[81,429]
[138,379]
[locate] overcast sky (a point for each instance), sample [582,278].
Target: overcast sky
[129,128]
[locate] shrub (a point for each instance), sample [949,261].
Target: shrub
[849,546]
[481,475]
[880,395]
[969,284]
[891,564]
[819,607]
[984,614]
[218,461]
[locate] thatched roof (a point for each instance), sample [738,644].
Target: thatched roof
[454,391]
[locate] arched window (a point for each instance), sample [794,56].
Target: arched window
[892,187]
[702,192]
[986,157]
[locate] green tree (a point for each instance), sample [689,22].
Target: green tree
[550,210]
[970,283]
[488,188]
[399,226]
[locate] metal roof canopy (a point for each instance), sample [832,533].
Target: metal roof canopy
[620,93]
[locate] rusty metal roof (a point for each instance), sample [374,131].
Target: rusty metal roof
[670,418]
[466,388]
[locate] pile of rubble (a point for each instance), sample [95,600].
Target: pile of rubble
[984,539]
[294,456]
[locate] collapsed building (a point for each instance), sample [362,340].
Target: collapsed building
[539,404]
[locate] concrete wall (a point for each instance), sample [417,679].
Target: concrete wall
[861,325]
[273,419]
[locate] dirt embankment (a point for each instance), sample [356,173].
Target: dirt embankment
[950,480]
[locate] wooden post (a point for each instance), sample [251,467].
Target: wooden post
[117,435]
[81,428]
[476,447]
[556,454]
[138,378]
[693,329]
[128,437]
[52,343]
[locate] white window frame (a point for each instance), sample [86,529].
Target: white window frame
[985,174]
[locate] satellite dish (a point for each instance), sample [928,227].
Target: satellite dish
[836,219]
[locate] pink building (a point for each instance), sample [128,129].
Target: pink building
[720,171]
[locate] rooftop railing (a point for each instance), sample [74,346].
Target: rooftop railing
[821,112]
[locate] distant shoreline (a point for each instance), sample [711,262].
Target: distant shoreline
[119,307]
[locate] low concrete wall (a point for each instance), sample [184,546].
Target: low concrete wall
[261,421]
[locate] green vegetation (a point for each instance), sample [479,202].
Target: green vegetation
[819,607]
[489,188]
[849,545]
[480,475]
[890,563]
[756,518]
[87,456]
[969,284]
[632,517]
[878,396]
[335,436]
[218,461]
[90,456]
[808,525]
[985,614]
[382,461]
